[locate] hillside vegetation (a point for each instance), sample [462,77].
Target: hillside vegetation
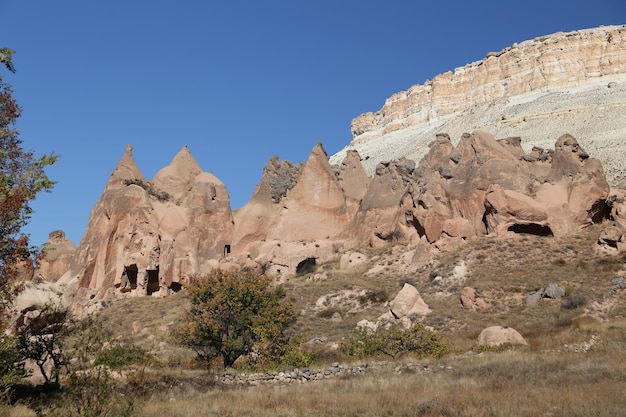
[571,366]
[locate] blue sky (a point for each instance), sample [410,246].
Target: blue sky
[236,81]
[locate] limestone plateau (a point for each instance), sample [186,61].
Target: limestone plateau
[150,237]
[538,89]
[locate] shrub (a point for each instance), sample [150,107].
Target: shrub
[395,342]
[120,356]
[88,390]
[573,302]
[92,393]
[296,354]
[162,196]
[328,312]
[235,314]
[11,366]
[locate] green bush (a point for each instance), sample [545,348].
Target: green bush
[11,366]
[120,356]
[395,342]
[365,342]
[296,354]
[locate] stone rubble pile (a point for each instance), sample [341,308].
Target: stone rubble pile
[304,375]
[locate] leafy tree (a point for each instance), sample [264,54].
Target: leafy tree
[22,177]
[89,388]
[40,341]
[235,314]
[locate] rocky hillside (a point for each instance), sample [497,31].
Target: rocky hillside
[402,182]
[538,89]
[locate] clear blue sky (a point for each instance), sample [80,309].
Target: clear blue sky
[237,81]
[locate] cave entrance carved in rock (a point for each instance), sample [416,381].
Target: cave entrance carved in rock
[130,282]
[153,284]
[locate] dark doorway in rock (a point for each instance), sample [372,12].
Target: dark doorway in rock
[531,229]
[153,281]
[175,287]
[306,266]
[226,250]
[131,271]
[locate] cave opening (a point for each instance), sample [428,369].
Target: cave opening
[153,281]
[306,266]
[531,229]
[131,273]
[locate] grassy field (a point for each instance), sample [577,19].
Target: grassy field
[489,384]
[573,365]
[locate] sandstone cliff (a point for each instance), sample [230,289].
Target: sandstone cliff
[149,237]
[538,89]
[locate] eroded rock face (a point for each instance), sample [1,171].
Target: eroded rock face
[381,216]
[481,186]
[531,89]
[149,237]
[488,186]
[58,255]
[306,222]
[573,194]
[558,60]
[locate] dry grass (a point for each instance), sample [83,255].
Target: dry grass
[504,271]
[505,384]
[16,411]
[546,378]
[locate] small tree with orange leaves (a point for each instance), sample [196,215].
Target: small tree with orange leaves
[22,177]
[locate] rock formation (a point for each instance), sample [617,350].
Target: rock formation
[59,253]
[548,62]
[149,237]
[482,186]
[283,229]
[537,89]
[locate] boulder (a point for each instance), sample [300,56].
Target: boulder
[407,303]
[470,300]
[554,291]
[612,239]
[499,335]
[367,325]
[32,300]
